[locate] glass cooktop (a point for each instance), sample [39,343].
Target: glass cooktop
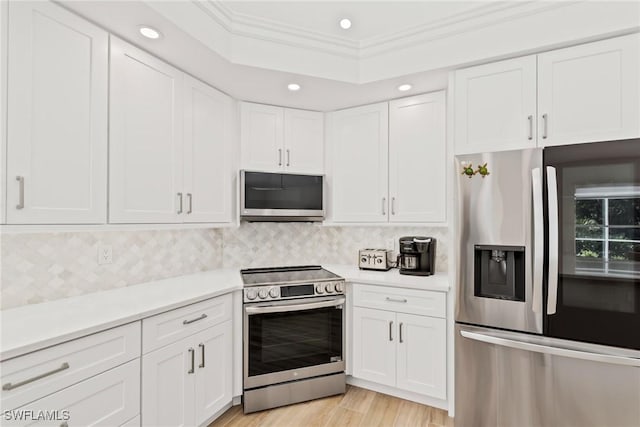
[283,275]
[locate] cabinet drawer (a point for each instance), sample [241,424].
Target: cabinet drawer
[423,303]
[110,399]
[35,375]
[166,328]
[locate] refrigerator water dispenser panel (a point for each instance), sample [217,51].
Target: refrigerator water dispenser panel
[499,272]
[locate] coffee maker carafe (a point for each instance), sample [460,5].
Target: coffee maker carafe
[417,255]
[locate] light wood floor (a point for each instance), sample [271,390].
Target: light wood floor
[357,407]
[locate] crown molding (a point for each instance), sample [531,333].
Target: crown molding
[484,15]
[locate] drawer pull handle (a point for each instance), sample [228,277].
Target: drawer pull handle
[402,300]
[201,365]
[193,361]
[401,341]
[9,386]
[186,322]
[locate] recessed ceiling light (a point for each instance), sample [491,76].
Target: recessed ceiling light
[150,33]
[345,23]
[405,87]
[293,87]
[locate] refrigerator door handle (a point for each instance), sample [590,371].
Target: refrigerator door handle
[538,239]
[552,195]
[552,350]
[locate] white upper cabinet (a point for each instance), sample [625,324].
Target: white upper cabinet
[417,158]
[358,156]
[583,93]
[303,141]
[495,106]
[262,137]
[590,92]
[57,117]
[276,139]
[170,143]
[207,153]
[145,138]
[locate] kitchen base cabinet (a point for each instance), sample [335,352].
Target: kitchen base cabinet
[111,399]
[400,350]
[187,382]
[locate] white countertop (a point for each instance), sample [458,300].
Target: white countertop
[36,326]
[393,278]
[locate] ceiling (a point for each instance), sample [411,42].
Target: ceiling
[252,50]
[371,20]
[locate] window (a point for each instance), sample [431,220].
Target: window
[607,233]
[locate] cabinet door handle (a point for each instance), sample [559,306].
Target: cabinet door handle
[279,156]
[288,157]
[384,202]
[193,361]
[10,386]
[20,204]
[393,206]
[190,200]
[402,300]
[179,203]
[391,331]
[545,128]
[202,316]
[530,118]
[201,365]
[400,337]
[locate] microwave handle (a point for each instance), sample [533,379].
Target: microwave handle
[538,239]
[552,198]
[293,307]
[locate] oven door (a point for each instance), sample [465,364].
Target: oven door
[292,340]
[593,233]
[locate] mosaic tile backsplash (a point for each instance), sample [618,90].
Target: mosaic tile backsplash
[47,266]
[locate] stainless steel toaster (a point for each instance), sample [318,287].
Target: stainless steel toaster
[375,259]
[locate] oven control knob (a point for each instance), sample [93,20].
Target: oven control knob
[339,287]
[251,294]
[329,288]
[274,293]
[263,294]
[319,288]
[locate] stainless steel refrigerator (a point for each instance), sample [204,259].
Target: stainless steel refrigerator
[533,293]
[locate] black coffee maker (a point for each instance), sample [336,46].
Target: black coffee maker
[417,256]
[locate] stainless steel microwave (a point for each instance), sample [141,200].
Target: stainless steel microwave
[267,196]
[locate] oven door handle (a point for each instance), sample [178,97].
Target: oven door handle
[294,307]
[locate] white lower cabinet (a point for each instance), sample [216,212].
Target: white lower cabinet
[108,399]
[185,383]
[396,349]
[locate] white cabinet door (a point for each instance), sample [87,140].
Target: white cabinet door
[261,137]
[145,138]
[57,117]
[590,92]
[108,399]
[374,345]
[495,106]
[303,141]
[168,385]
[422,355]
[213,371]
[359,147]
[207,153]
[417,158]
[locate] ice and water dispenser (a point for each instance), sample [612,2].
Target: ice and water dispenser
[499,272]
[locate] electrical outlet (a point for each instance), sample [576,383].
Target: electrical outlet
[105,254]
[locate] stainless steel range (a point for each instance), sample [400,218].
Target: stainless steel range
[294,335]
